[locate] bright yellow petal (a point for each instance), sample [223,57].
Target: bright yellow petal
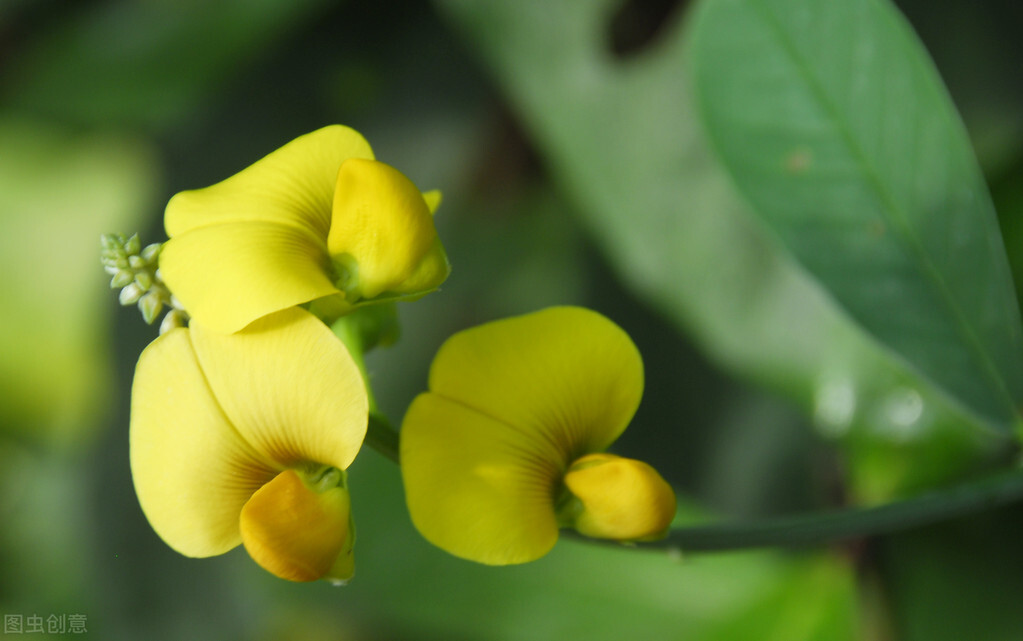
[433,269]
[474,488]
[620,499]
[289,387]
[381,229]
[192,471]
[293,185]
[566,376]
[433,199]
[229,275]
[295,532]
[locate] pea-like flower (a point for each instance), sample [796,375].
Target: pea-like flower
[507,446]
[245,438]
[317,221]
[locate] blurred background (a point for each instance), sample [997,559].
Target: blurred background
[109,107]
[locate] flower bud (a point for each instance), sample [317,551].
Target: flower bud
[150,305]
[121,278]
[144,279]
[133,245]
[131,294]
[151,253]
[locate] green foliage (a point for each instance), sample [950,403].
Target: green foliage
[835,127]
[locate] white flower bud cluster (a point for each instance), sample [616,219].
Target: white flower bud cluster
[136,271]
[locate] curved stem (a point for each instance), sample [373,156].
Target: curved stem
[840,525]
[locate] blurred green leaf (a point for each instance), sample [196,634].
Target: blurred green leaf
[58,193]
[624,140]
[144,62]
[835,126]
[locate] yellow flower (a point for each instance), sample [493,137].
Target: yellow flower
[245,438]
[506,447]
[317,221]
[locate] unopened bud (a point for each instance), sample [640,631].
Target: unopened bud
[144,279]
[131,294]
[111,242]
[150,306]
[151,253]
[133,245]
[121,278]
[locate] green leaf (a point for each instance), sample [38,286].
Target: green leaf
[623,140]
[836,128]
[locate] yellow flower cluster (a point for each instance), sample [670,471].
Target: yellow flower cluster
[244,423]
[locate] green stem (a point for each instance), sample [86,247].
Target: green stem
[830,527]
[379,433]
[353,341]
[381,436]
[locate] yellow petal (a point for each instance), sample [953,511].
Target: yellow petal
[433,199]
[229,275]
[192,471]
[621,499]
[381,230]
[295,532]
[433,269]
[293,185]
[474,488]
[289,387]
[566,376]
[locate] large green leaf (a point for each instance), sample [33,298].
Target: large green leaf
[836,128]
[623,139]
